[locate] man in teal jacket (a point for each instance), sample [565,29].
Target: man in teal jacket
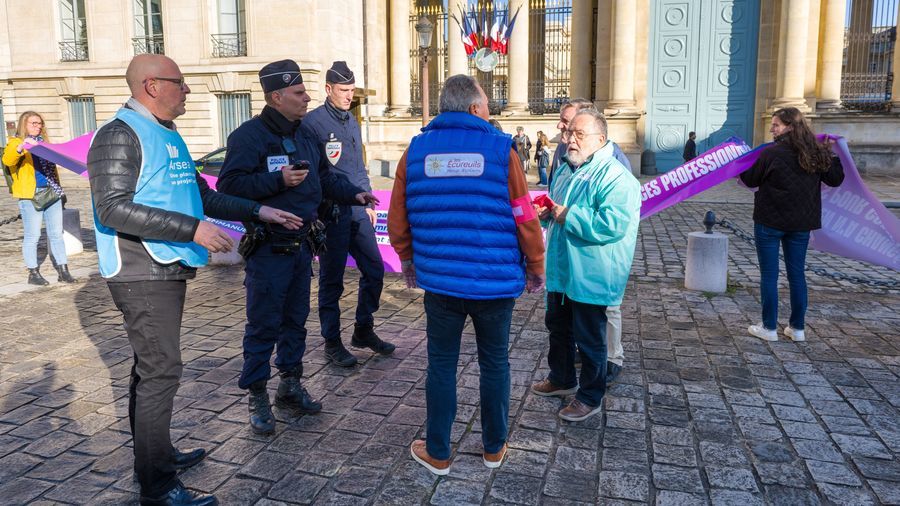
[591,234]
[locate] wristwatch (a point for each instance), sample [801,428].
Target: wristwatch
[256,209]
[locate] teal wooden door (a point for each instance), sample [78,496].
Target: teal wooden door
[702,74]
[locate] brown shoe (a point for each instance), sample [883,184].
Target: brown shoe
[493,460]
[420,454]
[577,411]
[547,389]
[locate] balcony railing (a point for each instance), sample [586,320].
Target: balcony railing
[73,50]
[227,45]
[151,45]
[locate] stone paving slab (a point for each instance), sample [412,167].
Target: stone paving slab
[703,413]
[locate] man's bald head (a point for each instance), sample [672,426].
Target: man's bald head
[147,66]
[157,83]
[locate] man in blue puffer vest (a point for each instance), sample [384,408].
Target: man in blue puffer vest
[462,223]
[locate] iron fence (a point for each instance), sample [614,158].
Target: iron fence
[151,45]
[227,45]
[73,50]
[438,58]
[870,39]
[549,56]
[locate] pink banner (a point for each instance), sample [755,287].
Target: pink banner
[854,223]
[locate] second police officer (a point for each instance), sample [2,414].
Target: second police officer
[351,231]
[269,159]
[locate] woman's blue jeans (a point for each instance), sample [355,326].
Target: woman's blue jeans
[542,174]
[31,222]
[794,245]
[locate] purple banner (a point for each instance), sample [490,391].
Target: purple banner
[854,223]
[712,167]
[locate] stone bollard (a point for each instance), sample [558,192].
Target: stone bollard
[72,232]
[707,259]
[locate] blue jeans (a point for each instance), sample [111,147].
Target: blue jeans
[31,222]
[446,317]
[571,323]
[542,174]
[794,245]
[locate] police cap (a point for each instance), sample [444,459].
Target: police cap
[339,73]
[280,74]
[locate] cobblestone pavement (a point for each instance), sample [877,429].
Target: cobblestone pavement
[703,413]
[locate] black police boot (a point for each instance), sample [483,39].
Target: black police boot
[35,278]
[180,496]
[261,419]
[364,336]
[186,459]
[64,276]
[292,396]
[335,351]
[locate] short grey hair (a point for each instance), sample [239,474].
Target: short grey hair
[597,116]
[579,104]
[459,93]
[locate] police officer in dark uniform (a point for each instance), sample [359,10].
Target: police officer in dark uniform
[272,160]
[351,231]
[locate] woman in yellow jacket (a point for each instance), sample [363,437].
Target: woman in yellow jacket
[30,174]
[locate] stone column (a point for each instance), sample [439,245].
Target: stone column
[895,88]
[376,51]
[458,61]
[400,59]
[581,50]
[623,57]
[518,60]
[828,86]
[792,56]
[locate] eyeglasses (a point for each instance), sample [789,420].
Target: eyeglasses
[579,135]
[173,80]
[35,123]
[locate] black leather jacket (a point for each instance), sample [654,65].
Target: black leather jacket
[114,162]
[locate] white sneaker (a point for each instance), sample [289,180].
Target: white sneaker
[794,334]
[762,332]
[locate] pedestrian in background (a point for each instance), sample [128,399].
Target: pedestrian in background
[523,147]
[542,157]
[690,148]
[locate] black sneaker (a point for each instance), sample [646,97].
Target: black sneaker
[612,372]
[364,336]
[335,352]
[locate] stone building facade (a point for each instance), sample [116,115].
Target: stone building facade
[658,68]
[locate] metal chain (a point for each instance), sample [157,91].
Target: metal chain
[840,276]
[11,219]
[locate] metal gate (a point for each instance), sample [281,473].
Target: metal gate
[702,74]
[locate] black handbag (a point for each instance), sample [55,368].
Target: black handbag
[44,198]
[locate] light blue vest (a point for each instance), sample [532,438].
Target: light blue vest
[167,181]
[457,198]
